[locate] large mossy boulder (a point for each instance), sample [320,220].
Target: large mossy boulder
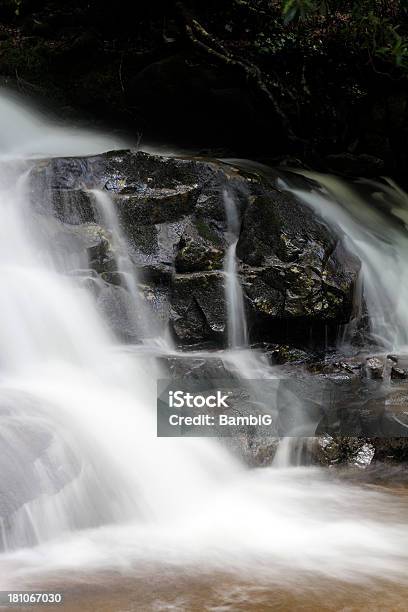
[292,268]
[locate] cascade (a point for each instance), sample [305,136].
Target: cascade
[237,328]
[373,218]
[86,484]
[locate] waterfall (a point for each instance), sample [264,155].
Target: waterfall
[86,484]
[76,410]
[142,319]
[373,218]
[234,297]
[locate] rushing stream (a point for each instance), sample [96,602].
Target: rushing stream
[374,218]
[87,487]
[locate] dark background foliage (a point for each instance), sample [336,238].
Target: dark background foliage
[321,81]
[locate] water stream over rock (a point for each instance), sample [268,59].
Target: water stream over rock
[85,482]
[237,326]
[373,217]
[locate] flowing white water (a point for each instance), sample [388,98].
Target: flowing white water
[25,133]
[85,482]
[374,218]
[57,356]
[143,322]
[237,328]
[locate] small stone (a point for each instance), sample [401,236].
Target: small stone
[350,367]
[375,367]
[393,358]
[398,373]
[364,456]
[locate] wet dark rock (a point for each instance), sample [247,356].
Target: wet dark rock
[132,173]
[201,248]
[102,258]
[156,298]
[354,452]
[200,368]
[151,206]
[196,255]
[279,354]
[159,274]
[264,301]
[330,451]
[398,373]
[198,309]
[351,367]
[68,173]
[113,278]
[393,358]
[391,449]
[374,368]
[254,450]
[294,267]
[210,206]
[366,406]
[73,206]
[295,273]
